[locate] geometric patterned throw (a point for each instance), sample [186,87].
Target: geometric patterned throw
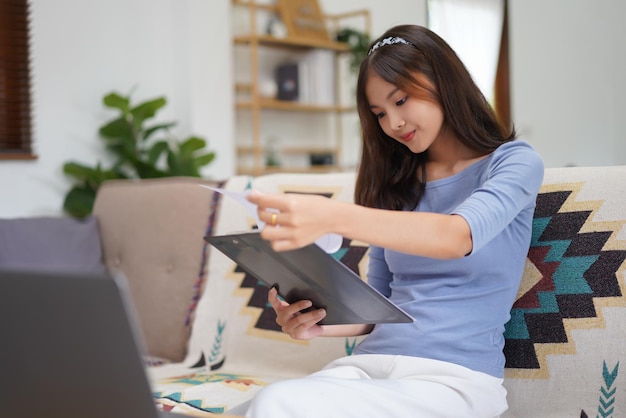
[563,344]
[349,255]
[572,265]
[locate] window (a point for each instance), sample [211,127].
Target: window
[502,93]
[15,107]
[478,31]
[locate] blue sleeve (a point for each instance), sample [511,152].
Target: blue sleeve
[513,181]
[378,274]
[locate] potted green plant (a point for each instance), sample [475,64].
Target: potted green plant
[358,43]
[139,150]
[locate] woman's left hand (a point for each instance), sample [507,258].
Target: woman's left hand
[292,220]
[299,325]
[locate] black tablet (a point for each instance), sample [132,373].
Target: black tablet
[309,273]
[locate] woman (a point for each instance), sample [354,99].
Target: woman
[445,197]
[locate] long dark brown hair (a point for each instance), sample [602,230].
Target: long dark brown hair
[390,176]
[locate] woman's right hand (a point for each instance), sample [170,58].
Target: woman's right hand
[297,324]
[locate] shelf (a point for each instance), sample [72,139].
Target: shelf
[249,171]
[243,87]
[290,150]
[260,6]
[256,108]
[269,40]
[294,106]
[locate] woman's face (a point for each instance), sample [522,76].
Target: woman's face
[414,122]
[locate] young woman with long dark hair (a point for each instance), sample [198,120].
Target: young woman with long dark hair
[445,197]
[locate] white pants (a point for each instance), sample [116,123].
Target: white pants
[384,386]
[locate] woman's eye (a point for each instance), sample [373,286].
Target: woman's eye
[379,115]
[401,101]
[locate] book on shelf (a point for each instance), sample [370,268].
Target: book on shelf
[316,76]
[309,81]
[287,81]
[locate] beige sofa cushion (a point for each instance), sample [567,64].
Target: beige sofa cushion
[235,329]
[152,231]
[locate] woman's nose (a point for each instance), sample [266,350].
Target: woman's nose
[396,123]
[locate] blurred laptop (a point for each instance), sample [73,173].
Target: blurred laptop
[71,348]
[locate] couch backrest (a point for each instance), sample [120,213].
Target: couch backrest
[152,231]
[564,342]
[235,328]
[565,339]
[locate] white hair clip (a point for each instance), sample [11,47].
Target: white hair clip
[388,41]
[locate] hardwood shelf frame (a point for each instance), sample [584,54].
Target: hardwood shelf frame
[272,41]
[285,105]
[252,171]
[291,150]
[255,104]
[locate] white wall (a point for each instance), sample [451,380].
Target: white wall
[567,58]
[568,67]
[181,49]
[385,14]
[82,50]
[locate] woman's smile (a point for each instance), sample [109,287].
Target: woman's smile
[407,137]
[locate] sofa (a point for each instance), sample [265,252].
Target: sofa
[210,335]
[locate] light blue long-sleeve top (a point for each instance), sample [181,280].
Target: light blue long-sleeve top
[460,306]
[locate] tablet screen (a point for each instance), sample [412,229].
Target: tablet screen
[312,274]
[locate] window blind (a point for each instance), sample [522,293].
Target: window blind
[15,97]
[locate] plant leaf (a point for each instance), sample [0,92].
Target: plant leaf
[143,168]
[191,144]
[126,138]
[90,176]
[149,131]
[117,128]
[146,110]
[79,171]
[172,162]
[358,44]
[116,101]
[79,201]
[156,151]
[205,159]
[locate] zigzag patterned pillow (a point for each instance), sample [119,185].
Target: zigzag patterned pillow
[565,339]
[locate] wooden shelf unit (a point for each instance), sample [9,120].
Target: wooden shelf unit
[251,171]
[286,105]
[290,150]
[255,105]
[272,41]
